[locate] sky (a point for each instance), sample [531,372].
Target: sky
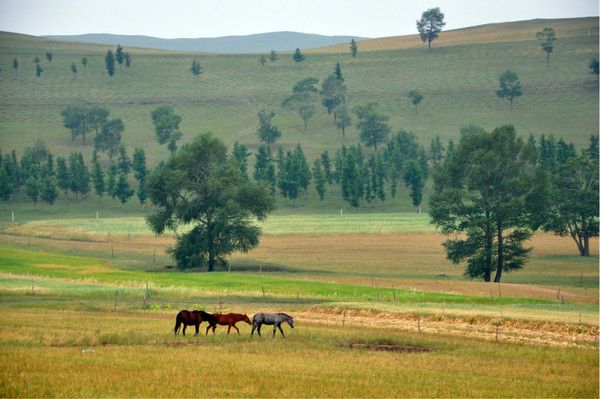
[214,18]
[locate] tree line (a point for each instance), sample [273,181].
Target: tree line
[41,176]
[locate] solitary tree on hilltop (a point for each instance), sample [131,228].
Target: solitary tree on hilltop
[547,37]
[430,25]
[510,86]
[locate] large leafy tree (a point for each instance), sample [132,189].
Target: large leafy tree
[201,188]
[430,25]
[547,37]
[573,201]
[510,86]
[372,125]
[481,192]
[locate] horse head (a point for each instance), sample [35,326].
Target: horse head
[291,321]
[246,319]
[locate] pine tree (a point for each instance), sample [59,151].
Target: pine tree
[264,169]
[15,65]
[124,162]
[343,119]
[338,72]
[62,175]
[140,173]
[49,56]
[74,70]
[38,70]
[48,190]
[298,56]
[119,56]
[326,163]
[241,154]
[302,167]
[127,59]
[111,180]
[273,56]
[79,175]
[123,190]
[109,62]
[320,179]
[98,178]
[32,189]
[262,60]
[353,48]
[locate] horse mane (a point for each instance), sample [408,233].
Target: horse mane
[285,315]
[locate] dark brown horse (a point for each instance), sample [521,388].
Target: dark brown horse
[193,318]
[228,319]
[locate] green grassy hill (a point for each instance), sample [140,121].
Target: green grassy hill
[458,80]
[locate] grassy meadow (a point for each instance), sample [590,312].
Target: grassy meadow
[88,295]
[457,80]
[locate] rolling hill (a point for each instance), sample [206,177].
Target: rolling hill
[258,43]
[458,79]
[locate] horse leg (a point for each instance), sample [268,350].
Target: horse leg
[253,328]
[184,327]
[274,329]
[259,327]
[237,329]
[207,328]
[228,329]
[280,330]
[197,328]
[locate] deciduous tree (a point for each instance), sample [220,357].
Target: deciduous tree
[202,188]
[510,86]
[430,25]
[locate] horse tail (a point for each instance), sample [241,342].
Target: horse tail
[177,323]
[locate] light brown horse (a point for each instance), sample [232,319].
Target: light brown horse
[228,319]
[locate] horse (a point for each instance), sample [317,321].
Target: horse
[228,319]
[193,318]
[274,319]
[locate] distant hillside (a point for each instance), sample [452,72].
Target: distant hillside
[258,43]
[490,33]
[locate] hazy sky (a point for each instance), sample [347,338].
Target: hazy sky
[212,18]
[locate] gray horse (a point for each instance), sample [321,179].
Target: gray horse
[274,319]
